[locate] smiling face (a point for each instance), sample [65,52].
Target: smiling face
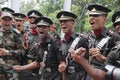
[66,25]
[97,21]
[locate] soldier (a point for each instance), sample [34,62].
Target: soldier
[31,38]
[71,70]
[49,54]
[32,15]
[101,40]
[11,48]
[116,22]
[109,71]
[19,22]
[113,59]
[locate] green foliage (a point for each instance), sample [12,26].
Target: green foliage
[51,7]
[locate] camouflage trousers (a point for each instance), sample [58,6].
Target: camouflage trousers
[9,75]
[27,75]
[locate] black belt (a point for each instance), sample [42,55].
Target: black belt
[72,69]
[50,69]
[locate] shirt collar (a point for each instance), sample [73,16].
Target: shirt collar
[103,33]
[73,36]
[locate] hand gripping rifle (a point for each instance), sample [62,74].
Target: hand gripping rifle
[72,47]
[3,64]
[100,45]
[43,64]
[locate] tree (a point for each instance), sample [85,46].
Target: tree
[51,7]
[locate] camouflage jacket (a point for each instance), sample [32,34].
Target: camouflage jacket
[12,41]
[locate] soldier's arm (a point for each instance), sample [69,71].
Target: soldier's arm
[30,66]
[78,56]
[19,46]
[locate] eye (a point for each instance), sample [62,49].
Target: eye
[42,26]
[64,21]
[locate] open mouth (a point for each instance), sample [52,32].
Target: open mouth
[41,32]
[63,27]
[91,23]
[18,25]
[6,24]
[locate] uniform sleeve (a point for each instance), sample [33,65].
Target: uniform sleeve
[18,49]
[113,56]
[85,44]
[39,55]
[57,50]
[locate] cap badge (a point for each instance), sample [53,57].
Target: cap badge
[62,15]
[19,16]
[41,21]
[33,13]
[93,9]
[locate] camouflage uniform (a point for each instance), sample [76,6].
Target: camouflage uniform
[11,40]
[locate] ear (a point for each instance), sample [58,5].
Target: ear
[105,18]
[48,29]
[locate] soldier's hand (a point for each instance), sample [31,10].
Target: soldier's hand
[95,53]
[78,54]
[18,68]
[3,52]
[42,64]
[62,67]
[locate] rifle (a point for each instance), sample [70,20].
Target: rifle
[42,65]
[72,47]
[12,67]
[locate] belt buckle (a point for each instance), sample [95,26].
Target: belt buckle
[48,69]
[71,69]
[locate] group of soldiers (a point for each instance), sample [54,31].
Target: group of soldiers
[32,53]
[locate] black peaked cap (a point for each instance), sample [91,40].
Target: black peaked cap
[43,21]
[35,12]
[64,15]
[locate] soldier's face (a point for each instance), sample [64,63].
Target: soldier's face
[31,19]
[66,25]
[19,24]
[42,30]
[33,28]
[117,28]
[96,21]
[6,23]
